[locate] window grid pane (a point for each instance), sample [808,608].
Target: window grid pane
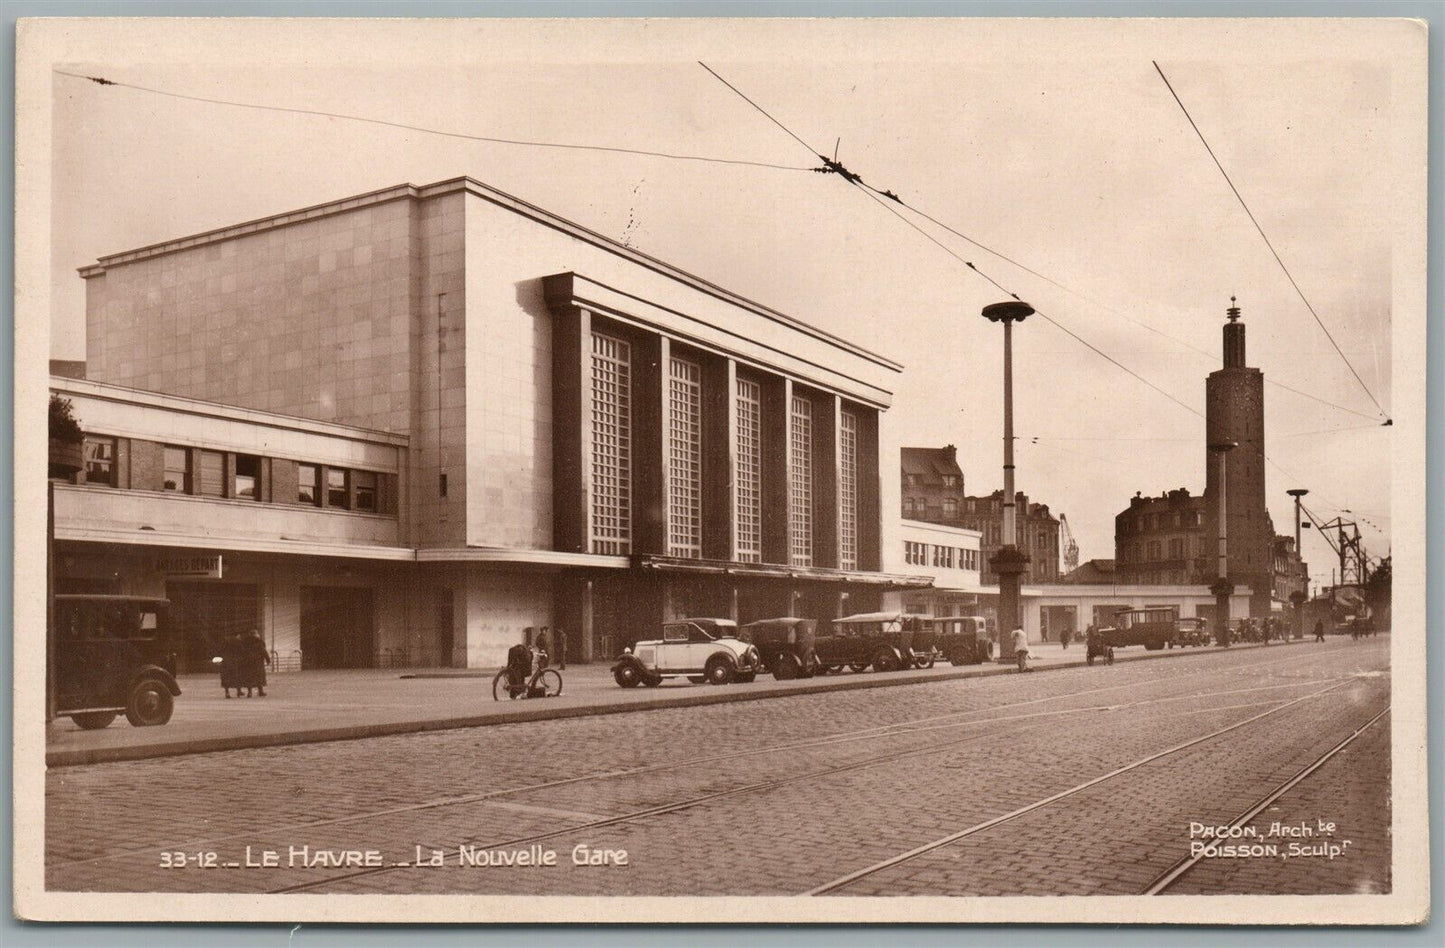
[213,474]
[848,492]
[684,459]
[611,446]
[800,484]
[750,473]
[177,470]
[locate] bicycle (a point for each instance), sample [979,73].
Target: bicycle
[530,680]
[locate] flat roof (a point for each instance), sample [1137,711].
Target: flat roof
[502,199]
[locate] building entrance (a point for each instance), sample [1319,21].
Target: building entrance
[336,628]
[205,614]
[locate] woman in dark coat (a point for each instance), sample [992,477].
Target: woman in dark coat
[231,673]
[253,660]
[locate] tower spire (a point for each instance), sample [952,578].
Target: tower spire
[1233,338]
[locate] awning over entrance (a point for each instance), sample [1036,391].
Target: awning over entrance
[671,564]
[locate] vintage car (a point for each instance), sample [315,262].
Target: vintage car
[963,640]
[1191,632]
[1154,628]
[785,645]
[697,649]
[884,640]
[111,657]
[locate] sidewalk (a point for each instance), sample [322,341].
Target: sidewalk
[307,707]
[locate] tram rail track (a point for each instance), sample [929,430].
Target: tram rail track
[765,785]
[982,827]
[986,715]
[989,714]
[1171,876]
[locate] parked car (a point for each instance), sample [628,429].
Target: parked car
[963,640]
[112,656]
[884,640]
[785,645]
[697,649]
[1190,632]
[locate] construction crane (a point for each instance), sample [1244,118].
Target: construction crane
[1068,546]
[1343,536]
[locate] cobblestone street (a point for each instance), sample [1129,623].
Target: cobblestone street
[1080,781]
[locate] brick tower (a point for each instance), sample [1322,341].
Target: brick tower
[1234,411]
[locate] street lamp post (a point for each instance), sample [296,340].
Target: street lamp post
[1222,587]
[1297,597]
[1008,562]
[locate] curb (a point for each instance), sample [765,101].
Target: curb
[80,756]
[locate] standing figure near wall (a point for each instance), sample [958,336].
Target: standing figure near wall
[230,657]
[253,661]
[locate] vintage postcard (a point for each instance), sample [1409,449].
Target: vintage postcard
[721,470]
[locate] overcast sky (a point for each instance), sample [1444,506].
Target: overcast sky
[1063,150]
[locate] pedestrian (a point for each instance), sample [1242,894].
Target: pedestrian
[230,658]
[1021,649]
[544,643]
[1064,636]
[1319,630]
[253,660]
[559,640]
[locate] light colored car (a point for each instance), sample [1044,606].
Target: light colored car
[697,649]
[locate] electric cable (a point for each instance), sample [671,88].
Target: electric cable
[1267,243]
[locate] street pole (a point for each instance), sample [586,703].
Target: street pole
[1298,597]
[1222,587]
[1008,562]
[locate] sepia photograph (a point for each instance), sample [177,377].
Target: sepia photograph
[721,470]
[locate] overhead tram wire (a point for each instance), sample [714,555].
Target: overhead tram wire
[873,194]
[102,81]
[878,196]
[834,167]
[1267,243]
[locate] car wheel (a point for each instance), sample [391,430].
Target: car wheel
[885,660]
[857,666]
[150,704]
[627,675]
[719,670]
[93,720]
[925,662]
[786,668]
[1090,658]
[652,681]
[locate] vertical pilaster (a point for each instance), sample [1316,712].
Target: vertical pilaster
[719,459]
[650,355]
[827,462]
[777,398]
[870,509]
[571,423]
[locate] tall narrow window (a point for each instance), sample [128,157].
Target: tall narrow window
[364,483]
[950,508]
[248,476]
[213,474]
[684,459]
[749,499]
[338,492]
[177,475]
[611,503]
[100,460]
[848,491]
[308,484]
[800,483]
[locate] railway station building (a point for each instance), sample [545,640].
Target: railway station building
[417,425]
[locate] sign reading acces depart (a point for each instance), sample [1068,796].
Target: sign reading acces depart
[197,567]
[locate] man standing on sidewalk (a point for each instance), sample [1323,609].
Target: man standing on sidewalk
[1021,649]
